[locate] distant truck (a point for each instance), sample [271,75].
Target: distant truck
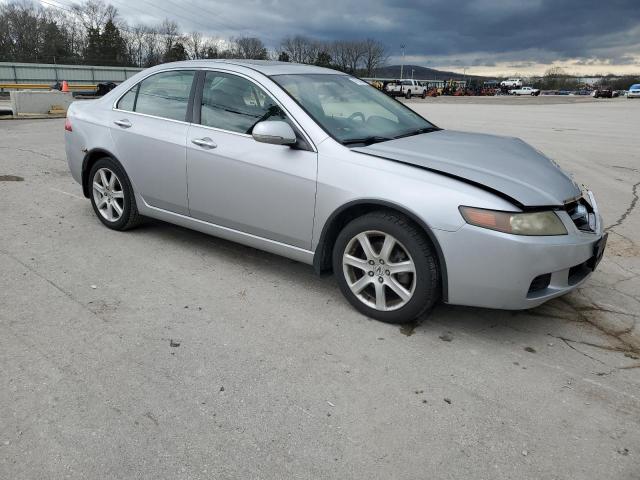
[406,88]
[525,91]
[511,83]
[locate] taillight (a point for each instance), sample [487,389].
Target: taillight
[67,125]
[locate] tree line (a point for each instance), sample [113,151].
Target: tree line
[93,33]
[556,78]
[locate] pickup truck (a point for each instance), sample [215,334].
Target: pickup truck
[525,91]
[511,83]
[406,88]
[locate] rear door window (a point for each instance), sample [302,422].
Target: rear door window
[164,95]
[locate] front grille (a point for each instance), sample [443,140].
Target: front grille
[582,215]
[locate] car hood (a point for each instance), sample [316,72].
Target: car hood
[506,165]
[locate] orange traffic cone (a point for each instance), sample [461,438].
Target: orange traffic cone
[65,86]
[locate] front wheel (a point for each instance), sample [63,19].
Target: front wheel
[386,267]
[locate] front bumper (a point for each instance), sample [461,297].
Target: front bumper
[486,268]
[633,95]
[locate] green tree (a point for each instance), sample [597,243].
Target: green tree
[94,46]
[323,59]
[176,53]
[284,57]
[113,48]
[54,47]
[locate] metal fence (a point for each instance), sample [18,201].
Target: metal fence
[52,73]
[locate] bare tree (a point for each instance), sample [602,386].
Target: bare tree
[152,48]
[136,42]
[300,49]
[169,32]
[355,52]
[94,14]
[195,45]
[375,56]
[339,51]
[73,32]
[250,47]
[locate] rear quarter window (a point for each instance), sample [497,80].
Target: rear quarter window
[127,102]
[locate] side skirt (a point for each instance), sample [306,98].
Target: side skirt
[271,246]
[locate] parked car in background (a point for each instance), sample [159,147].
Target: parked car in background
[320,167]
[603,92]
[581,92]
[406,88]
[525,91]
[511,83]
[634,91]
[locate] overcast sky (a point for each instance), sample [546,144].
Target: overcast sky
[485,36]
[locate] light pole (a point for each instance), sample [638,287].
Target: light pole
[402,64]
[412,70]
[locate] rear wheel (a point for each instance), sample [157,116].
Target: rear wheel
[386,267]
[408,95]
[112,195]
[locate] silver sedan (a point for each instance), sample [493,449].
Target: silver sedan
[321,167]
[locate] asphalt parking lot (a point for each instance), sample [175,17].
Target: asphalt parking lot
[165,353]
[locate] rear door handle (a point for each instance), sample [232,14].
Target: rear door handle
[205,142]
[123,123]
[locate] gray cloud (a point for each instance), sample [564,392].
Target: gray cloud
[517,31]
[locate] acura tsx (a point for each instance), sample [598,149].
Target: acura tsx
[319,166]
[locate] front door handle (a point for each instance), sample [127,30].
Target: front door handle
[205,142]
[123,123]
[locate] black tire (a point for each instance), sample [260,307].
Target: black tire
[427,278]
[408,95]
[130,217]
[424,94]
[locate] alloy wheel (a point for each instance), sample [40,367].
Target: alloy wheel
[108,194]
[379,270]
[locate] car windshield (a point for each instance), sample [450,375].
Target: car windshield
[352,111]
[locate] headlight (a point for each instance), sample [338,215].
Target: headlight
[534,223]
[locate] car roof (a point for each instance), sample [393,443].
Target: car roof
[266,67]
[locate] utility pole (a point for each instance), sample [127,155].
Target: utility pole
[402,64]
[412,70]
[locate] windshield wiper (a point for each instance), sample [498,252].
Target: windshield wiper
[418,132]
[365,140]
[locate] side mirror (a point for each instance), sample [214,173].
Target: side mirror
[275,132]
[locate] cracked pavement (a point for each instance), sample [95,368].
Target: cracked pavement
[597,143]
[165,353]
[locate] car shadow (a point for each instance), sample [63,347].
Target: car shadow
[559,318]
